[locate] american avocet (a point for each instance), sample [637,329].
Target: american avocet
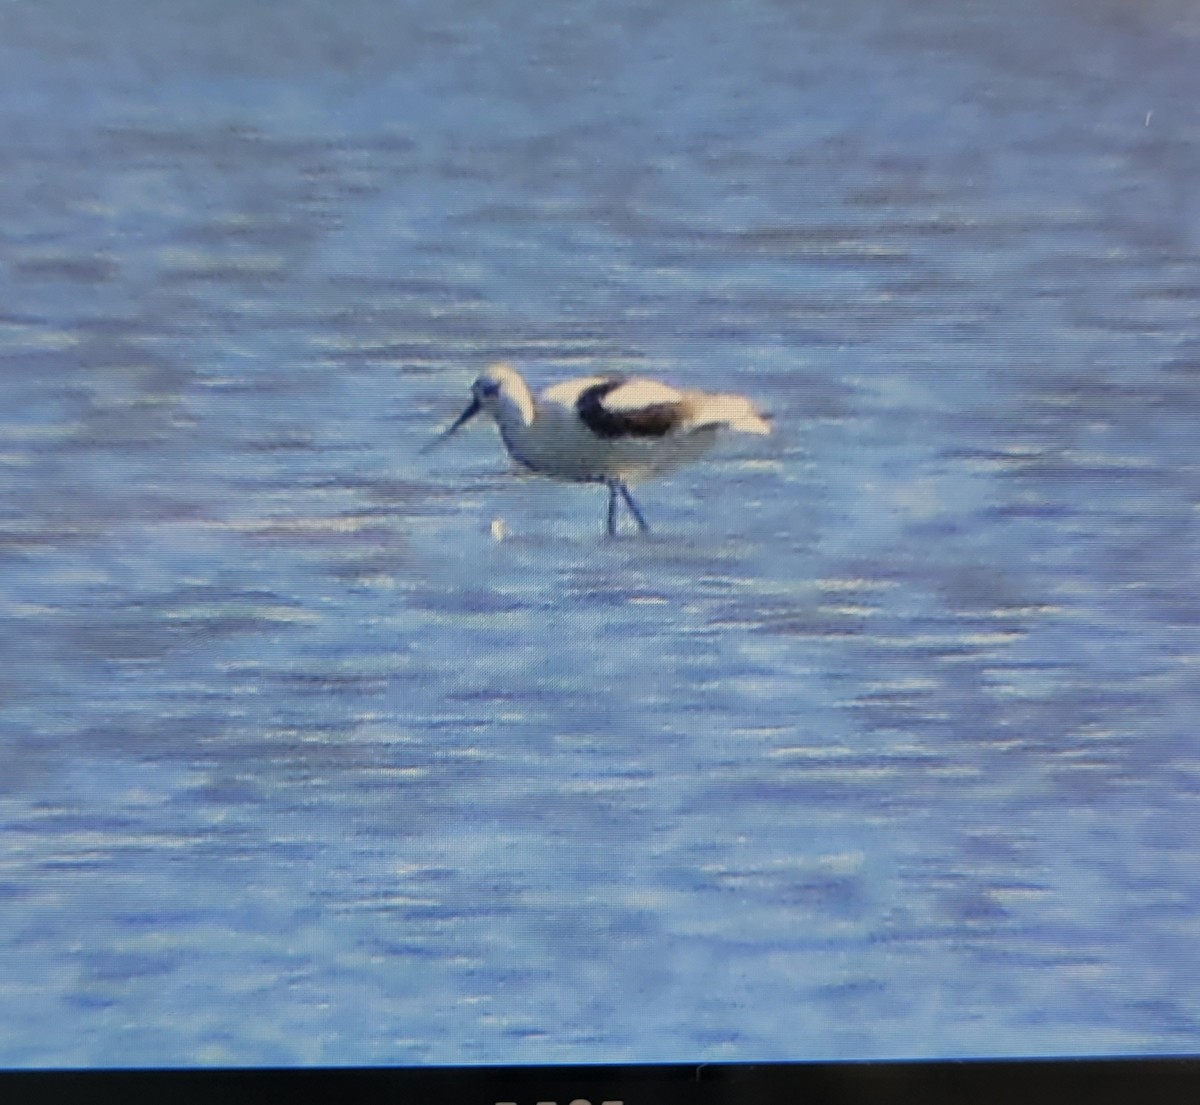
[605,429]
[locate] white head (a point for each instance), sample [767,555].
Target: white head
[502,393]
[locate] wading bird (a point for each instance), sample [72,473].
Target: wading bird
[612,430]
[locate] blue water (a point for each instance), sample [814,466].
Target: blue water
[882,744]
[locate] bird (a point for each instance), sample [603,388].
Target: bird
[611,429]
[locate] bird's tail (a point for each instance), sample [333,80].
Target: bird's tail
[733,411]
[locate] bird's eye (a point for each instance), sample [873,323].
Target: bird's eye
[488,388]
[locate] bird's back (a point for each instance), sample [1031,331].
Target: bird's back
[616,427]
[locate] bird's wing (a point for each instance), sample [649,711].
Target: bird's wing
[655,409]
[733,411]
[630,408]
[568,392]
[631,395]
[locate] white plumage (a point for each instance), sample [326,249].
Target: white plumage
[605,429]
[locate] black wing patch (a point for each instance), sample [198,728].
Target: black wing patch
[655,420]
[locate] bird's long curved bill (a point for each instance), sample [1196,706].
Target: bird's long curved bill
[465,417]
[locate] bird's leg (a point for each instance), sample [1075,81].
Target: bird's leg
[612,507]
[625,494]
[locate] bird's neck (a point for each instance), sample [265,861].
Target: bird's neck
[515,410]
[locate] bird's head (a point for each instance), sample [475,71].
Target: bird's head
[493,388]
[501,392]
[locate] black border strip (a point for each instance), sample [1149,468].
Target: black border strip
[969,1082]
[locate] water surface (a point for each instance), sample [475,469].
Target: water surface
[881,745]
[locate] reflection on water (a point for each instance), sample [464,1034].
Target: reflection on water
[880,745]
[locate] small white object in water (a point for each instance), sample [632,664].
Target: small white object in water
[605,429]
[499,529]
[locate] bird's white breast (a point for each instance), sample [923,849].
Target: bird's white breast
[557,444]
